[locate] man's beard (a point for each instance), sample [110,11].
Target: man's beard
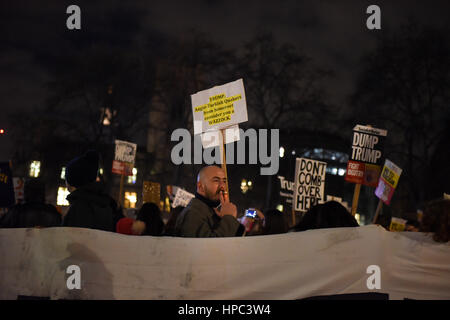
[213,196]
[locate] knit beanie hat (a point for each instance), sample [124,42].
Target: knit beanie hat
[83,169]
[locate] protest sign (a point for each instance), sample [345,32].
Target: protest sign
[388,181]
[286,190]
[219,108]
[182,198]
[397,224]
[309,188]
[216,114]
[364,165]
[19,184]
[6,186]
[124,157]
[151,192]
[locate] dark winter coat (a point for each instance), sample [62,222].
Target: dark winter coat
[32,214]
[90,207]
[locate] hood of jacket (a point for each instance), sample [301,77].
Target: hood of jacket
[93,192]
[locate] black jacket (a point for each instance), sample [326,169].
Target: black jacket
[90,207]
[31,214]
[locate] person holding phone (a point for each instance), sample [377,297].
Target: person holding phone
[252,220]
[210,213]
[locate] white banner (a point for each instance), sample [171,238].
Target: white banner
[44,262]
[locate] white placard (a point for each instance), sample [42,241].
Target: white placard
[219,107]
[125,151]
[214,138]
[182,198]
[309,188]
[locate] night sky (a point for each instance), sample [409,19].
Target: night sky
[34,37]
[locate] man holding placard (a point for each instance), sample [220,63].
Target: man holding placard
[210,213]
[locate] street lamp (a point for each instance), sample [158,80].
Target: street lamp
[246,185]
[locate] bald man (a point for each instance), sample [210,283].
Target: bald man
[210,213]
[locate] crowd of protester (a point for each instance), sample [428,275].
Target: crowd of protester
[209,214]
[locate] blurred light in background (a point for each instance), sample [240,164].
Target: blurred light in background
[61,200]
[35,169]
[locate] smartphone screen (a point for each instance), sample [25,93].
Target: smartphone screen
[250,213]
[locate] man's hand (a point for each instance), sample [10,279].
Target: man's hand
[226,208]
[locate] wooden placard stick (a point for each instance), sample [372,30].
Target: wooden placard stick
[224,160]
[356,198]
[119,200]
[377,212]
[293,215]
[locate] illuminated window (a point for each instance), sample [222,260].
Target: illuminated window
[35,169]
[130,200]
[132,179]
[61,200]
[63,173]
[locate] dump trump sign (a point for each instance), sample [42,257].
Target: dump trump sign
[309,184]
[364,165]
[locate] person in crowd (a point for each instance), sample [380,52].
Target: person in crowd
[253,226]
[271,221]
[412,225]
[209,213]
[274,222]
[130,226]
[148,222]
[331,214]
[34,212]
[150,215]
[436,219]
[169,229]
[90,206]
